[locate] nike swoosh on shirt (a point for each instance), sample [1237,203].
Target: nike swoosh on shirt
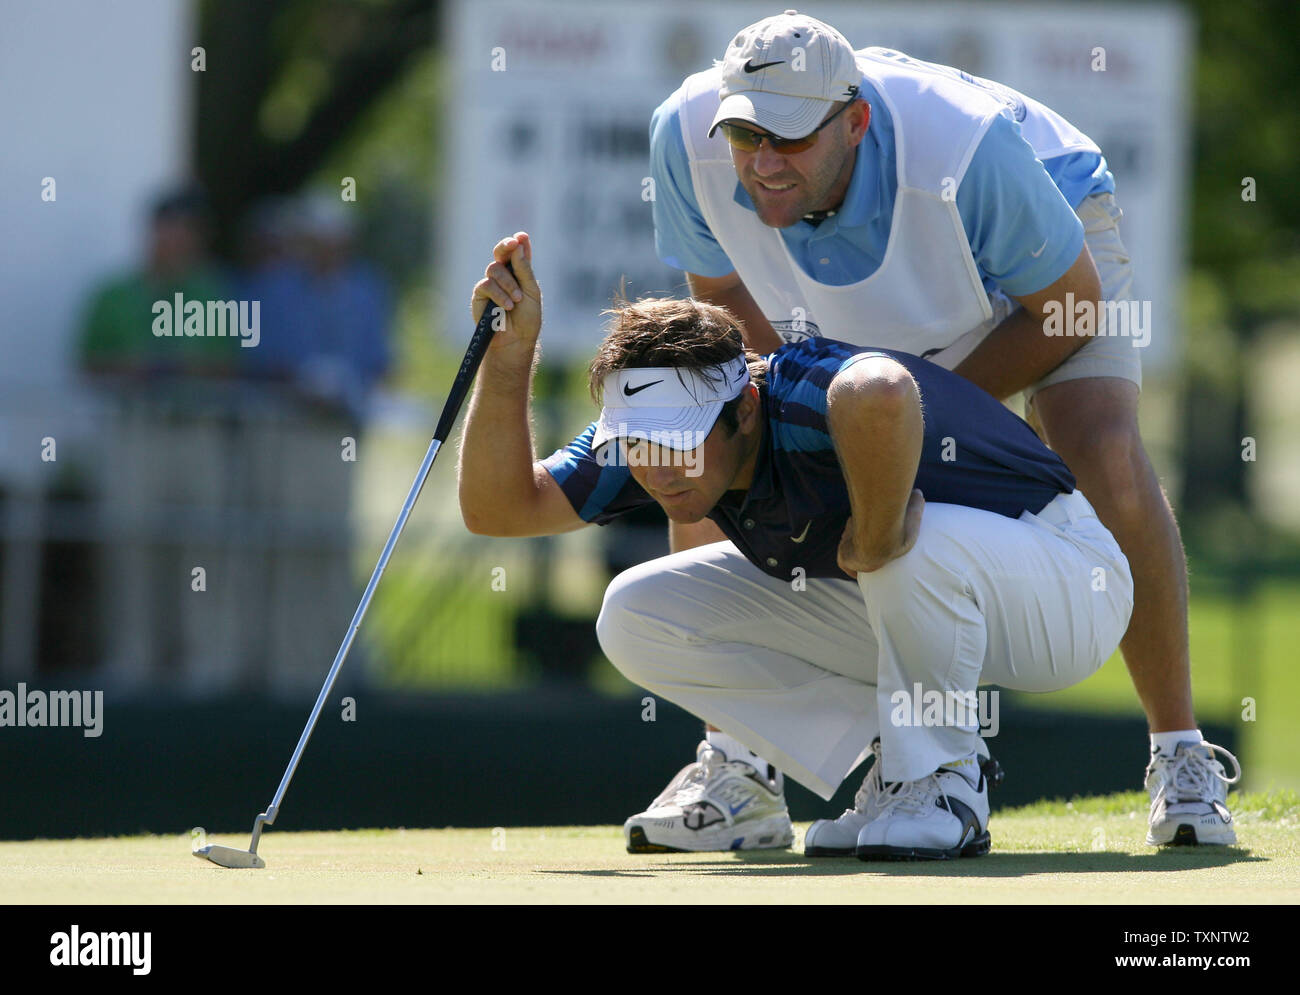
[1040,248]
[629,390]
[804,534]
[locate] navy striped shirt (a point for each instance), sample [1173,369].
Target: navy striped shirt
[975,453]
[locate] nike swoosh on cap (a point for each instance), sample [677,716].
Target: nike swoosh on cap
[749,66]
[629,390]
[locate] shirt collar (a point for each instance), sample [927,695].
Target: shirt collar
[862,199]
[762,486]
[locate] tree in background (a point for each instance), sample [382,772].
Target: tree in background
[287,82]
[1245,231]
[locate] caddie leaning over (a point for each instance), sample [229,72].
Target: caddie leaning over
[873,198]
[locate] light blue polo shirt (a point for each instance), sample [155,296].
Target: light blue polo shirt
[1018,211]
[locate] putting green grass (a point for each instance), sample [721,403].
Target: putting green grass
[1085,851]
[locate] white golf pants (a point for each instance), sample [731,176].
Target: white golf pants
[807,672]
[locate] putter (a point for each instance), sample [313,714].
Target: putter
[228,856]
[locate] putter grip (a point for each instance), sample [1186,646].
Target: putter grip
[478,345]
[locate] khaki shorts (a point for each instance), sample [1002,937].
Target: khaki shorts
[1105,355]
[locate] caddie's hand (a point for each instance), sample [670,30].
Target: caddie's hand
[519,294]
[854,557]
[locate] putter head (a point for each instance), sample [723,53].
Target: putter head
[229,856]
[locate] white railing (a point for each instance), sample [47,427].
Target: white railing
[214,538]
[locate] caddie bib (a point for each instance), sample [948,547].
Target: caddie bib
[926,297]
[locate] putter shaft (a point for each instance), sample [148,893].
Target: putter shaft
[267,818]
[474,353]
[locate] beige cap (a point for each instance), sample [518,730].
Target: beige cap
[783,73]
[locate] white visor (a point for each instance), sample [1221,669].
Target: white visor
[671,407]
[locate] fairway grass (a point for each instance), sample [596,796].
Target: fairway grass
[1087,851]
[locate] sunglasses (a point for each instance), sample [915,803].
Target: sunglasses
[744,140]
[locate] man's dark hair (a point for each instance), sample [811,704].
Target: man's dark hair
[677,332]
[180,202]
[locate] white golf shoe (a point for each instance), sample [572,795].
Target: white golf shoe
[839,837]
[1188,791]
[939,817]
[714,804]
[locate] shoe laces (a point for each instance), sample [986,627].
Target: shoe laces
[687,773]
[873,784]
[914,797]
[1190,774]
[695,778]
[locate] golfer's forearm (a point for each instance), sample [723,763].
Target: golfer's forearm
[497,484]
[877,428]
[1016,355]
[1019,352]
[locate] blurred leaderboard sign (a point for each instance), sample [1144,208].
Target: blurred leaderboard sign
[551,102]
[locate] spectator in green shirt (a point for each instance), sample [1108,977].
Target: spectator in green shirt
[118,336]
